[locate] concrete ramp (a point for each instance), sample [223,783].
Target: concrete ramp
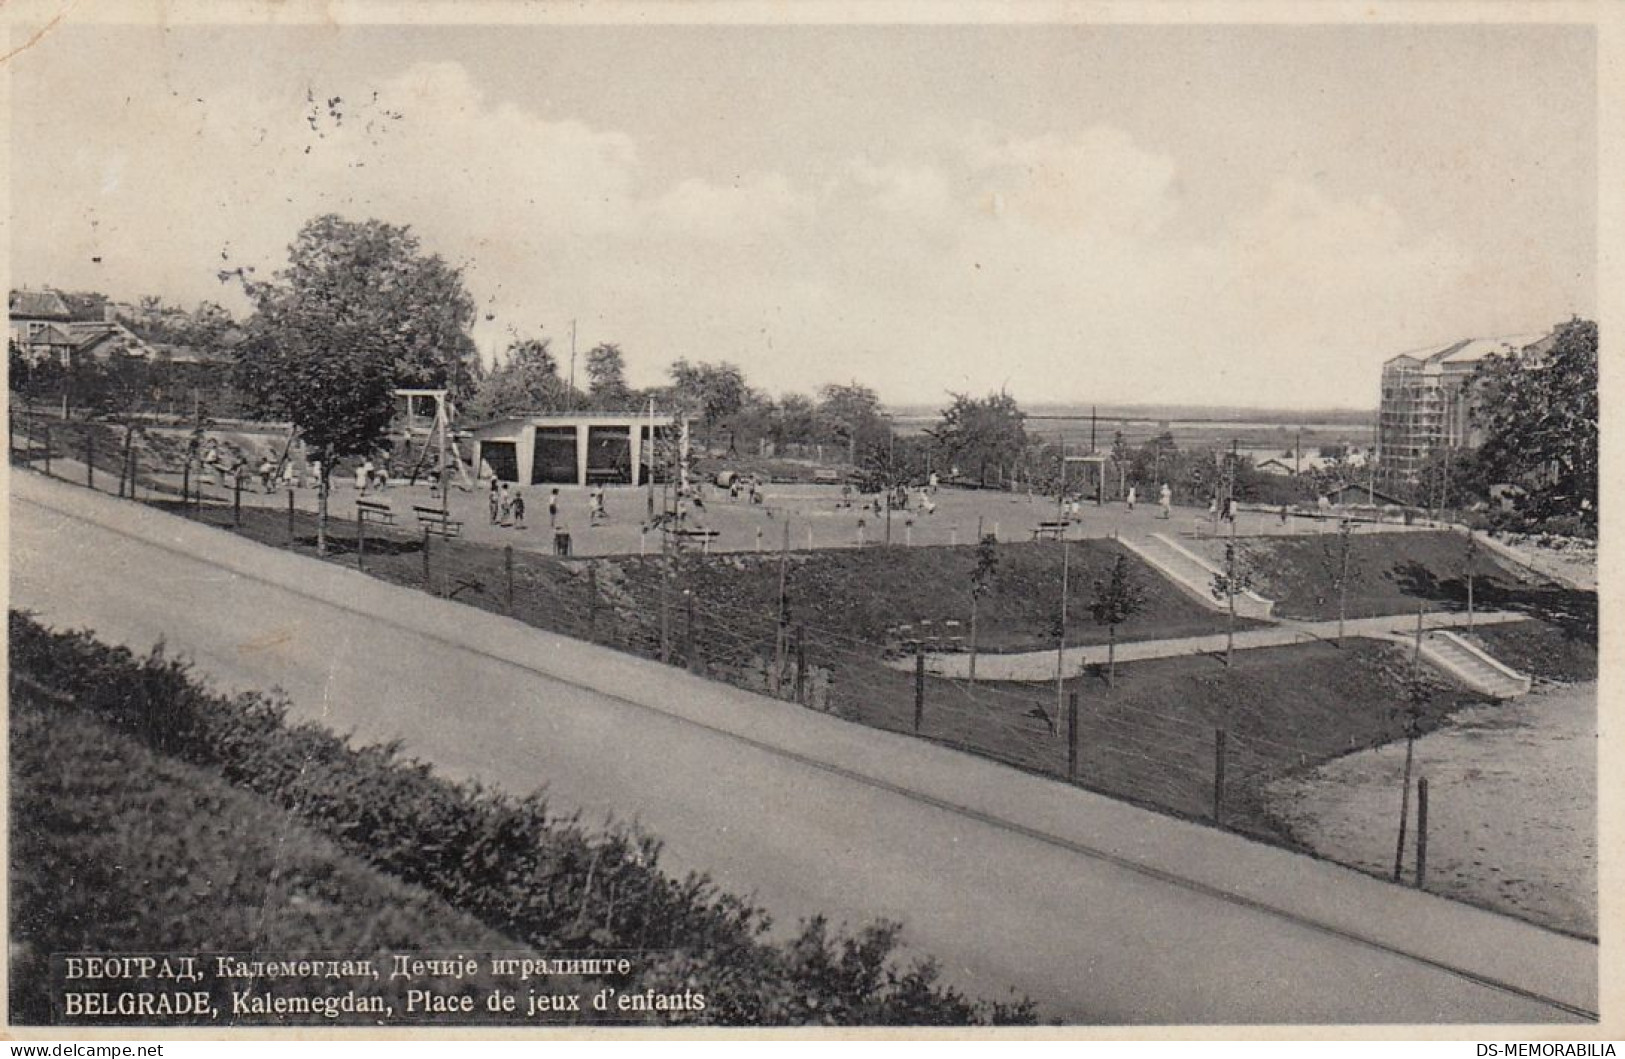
[1473,666]
[1193,574]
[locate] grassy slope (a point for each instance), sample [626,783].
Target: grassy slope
[1541,649]
[1150,738]
[850,593]
[116,849]
[860,593]
[1397,570]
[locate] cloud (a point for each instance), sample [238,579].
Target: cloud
[755,205]
[1096,182]
[1059,264]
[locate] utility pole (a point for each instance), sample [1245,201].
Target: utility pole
[1092,447]
[1297,454]
[572,364]
[1060,489]
[1060,641]
[891,475]
[1372,453]
[649,461]
[781,632]
[1230,484]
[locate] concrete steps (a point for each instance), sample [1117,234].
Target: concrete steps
[1193,574]
[1474,667]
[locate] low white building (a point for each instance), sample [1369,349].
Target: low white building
[576,448]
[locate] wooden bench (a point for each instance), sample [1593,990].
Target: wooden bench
[605,476]
[704,536]
[1053,531]
[377,511]
[438,522]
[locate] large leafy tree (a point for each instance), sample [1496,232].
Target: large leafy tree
[526,380]
[793,419]
[348,276]
[851,415]
[983,437]
[358,311]
[713,393]
[606,377]
[1538,412]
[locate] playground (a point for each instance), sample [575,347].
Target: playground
[800,516]
[818,618]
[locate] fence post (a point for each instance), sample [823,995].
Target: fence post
[665,611]
[507,572]
[801,664]
[90,457]
[290,517]
[592,600]
[1421,831]
[186,490]
[688,629]
[127,471]
[47,450]
[427,569]
[919,689]
[237,499]
[1072,735]
[1218,775]
[360,541]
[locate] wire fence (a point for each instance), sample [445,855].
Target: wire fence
[1196,760]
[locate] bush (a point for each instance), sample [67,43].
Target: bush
[539,878]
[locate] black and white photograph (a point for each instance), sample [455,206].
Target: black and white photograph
[964,518]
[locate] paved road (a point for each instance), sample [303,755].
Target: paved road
[1098,910]
[1040,665]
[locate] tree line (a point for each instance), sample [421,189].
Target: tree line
[360,310]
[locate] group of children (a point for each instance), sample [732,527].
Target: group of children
[508,504]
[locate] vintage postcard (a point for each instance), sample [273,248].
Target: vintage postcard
[1070,520]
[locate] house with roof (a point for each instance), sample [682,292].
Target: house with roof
[39,322]
[105,339]
[42,327]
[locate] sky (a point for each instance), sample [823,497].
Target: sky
[1227,215]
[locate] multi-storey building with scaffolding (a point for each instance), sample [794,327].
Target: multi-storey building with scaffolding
[1427,402]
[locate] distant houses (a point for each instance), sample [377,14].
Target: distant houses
[166,358]
[43,329]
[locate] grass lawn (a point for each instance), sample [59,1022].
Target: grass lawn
[1541,649]
[1151,738]
[860,593]
[1396,572]
[115,849]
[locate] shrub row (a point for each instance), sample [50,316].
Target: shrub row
[539,878]
[117,849]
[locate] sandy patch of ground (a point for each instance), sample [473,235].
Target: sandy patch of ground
[1565,558]
[1512,807]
